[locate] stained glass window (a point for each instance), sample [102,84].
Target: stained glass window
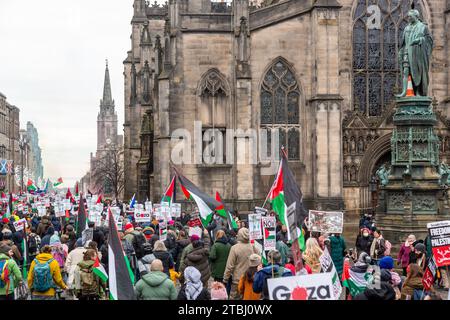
[377,30]
[280,102]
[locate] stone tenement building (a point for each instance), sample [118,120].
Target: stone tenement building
[35,168]
[9,145]
[322,71]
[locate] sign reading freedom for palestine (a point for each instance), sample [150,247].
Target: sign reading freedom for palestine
[440,241]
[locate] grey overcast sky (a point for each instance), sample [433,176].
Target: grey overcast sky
[52,62]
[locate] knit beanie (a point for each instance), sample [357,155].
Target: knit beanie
[387,263]
[55,239]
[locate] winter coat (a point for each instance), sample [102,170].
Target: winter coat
[43,226]
[198,258]
[363,244]
[245,288]
[99,237]
[403,255]
[185,252]
[219,256]
[260,278]
[284,251]
[181,244]
[204,295]
[166,259]
[171,244]
[73,259]
[337,245]
[88,264]
[410,285]
[384,292]
[16,252]
[155,285]
[54,270]
[14,275]
[237,262]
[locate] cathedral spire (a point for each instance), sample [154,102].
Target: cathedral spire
[107,96]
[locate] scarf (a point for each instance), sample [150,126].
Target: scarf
[193,289]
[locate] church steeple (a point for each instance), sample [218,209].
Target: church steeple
[107,100]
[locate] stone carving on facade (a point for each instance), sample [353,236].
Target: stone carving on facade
[213,83]
[383,174]
[133,94]
[360,144]
[396,201]
[146,75]
[444,172]
[422,202]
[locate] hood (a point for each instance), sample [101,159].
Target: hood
[86,264]
[4,256]
[223,240]
[183,242]
[154,278]
[268,270]
[44,257]
[243,235]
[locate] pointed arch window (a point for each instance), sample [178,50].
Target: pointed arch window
[377,29]
[280,105]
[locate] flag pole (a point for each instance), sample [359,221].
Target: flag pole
[264,204]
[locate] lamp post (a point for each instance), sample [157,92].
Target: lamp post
[22,144]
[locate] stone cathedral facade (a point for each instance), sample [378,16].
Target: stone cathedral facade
[323,72]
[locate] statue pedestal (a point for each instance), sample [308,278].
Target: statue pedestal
[413,193]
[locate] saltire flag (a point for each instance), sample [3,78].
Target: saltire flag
[58,182]
[224,213]
[133,201]
[169,195]
[206,204]
[356,282]
[121,277]
[285,193]
[81,220]
[31,186]
[99,270]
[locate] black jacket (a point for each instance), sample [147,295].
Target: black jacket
[99,237]
[363,244]
[166,259]
[386,292]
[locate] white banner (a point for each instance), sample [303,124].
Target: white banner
[328,266]
[308,287]
[255,226]
[326,221]
[269,233]
[42,211]
[148,206]
[195,230]
[165,210]
[142,216]
[175,210]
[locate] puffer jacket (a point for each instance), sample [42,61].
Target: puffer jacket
[260,278]
[181,244]
[43,226]
[166,259]
[198,258]
[54,270]
[219,256]
[237,262]
[14,275]
[155,286]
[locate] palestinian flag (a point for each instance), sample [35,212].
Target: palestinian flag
[121,278]
[57,183]
[356,282]
[221,211]
[76,189]
[31,187]
[260,248]
[81,220]
[99,200]
[285,194]
[99,270]
[169,195]
[206,205]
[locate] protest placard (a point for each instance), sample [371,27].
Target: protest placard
[326,221]
[162,230]
[42,211]
[307,287]
[328,266]
[195,230]
[255,226]
[165,210]
[175,210]
[67,204]
[148,206]
[440,241]
[20,224]
[142,216]
[429,275]
[269,230]
[261,211]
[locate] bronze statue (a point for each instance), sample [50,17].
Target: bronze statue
[415,54]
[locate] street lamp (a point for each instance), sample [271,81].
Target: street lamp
[22,144]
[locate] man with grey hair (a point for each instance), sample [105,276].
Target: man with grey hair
[155,285]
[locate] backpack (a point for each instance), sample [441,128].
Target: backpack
[88,282]
[4,271]
[43,279]
[33,244]
[388,246]
[138,244]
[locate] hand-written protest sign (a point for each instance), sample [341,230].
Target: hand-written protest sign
[328,266]
[440,241]
[261,211]
[175,210]
[67,204]
[195,223]
[148,206]
[42,211]
[162,230]
[195,230]
[20,225]
[165,210]
[254,226]
[269,227]
[142,216]
[157,210]
[326,221]
[308,287]
[429,275]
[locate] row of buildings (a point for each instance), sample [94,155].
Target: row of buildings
[20,153]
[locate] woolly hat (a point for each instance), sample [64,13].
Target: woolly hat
[420,247]
[5,220]
[387,263]
[195,237]
[255,260]
[55,239]
[128,226]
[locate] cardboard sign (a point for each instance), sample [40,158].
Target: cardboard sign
[165,210]
[142,216]
[195,230]
[20,225]
[261,211]
[20,207]
[162,230]
[430,274]
[148,206]
[440,242]
[328,266]
[270,239]
[326,221]
[255,226]
[308,287]
[175,210]
[42,211]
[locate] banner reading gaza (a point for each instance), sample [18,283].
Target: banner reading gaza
[440,241]
[308,287]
